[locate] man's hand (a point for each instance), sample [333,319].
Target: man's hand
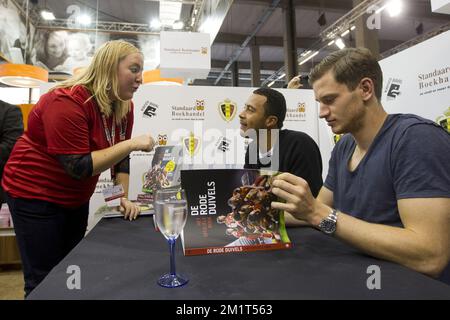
[300,202]
[129,209]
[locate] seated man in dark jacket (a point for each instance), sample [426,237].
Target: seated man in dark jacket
[11,128]
[275,149]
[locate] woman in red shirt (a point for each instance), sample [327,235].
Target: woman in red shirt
[77,130]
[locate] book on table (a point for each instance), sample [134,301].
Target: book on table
[163,172]
[229,210]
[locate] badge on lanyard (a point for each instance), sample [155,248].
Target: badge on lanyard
[113,194]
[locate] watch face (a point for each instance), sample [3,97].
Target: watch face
[327,226]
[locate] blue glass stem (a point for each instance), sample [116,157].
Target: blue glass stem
[172,256]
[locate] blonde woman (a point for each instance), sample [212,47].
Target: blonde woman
[79,129]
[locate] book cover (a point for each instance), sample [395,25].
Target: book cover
[229,211]
[164,171]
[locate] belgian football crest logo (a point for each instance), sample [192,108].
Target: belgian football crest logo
[191,144]
[227,109]
[162,139]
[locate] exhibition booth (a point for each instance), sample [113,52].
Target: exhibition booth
[203,122]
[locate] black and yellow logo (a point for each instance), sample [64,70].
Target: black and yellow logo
[227,109]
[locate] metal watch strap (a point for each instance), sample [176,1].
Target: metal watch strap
[333,215]
[328,225]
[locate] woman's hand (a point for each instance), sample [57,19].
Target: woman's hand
[144,142]
[129,209]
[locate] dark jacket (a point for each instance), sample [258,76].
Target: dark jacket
[11,128]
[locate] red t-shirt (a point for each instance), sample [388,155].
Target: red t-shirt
[62,122]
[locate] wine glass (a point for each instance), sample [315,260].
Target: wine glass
[171,214]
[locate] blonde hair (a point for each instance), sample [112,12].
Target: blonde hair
[101,78]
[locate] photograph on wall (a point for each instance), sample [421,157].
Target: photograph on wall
[13,34]
[63,51]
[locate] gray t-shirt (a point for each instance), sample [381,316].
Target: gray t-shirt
[409,158]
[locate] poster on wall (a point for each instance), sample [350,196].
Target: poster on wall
[64,51]
[13,34]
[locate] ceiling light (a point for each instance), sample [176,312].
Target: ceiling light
[169,12]
[394,7]
[84,19]
[281,76]
[309,58]
[207,25]
[331,42]
[340,43]
[178,25]
[381,9]
[155,24]
[271,84]
[47,15]
[346,32]
[352,28]
[22,75]
[305,53]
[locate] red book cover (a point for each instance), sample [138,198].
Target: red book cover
[229,211]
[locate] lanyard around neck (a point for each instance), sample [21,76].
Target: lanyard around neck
[110,136]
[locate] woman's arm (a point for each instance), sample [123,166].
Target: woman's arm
[106,158]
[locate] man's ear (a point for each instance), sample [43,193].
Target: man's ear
[367,88]
[271,122]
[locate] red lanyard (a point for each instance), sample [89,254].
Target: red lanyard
[111,136]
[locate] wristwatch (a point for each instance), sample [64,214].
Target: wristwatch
[328,225]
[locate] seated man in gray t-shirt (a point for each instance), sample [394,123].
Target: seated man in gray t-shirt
[387,192]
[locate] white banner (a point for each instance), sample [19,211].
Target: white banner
[209,117]
[185,54]
[416,80]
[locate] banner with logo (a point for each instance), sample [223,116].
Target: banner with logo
[205,122]
[416,80]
